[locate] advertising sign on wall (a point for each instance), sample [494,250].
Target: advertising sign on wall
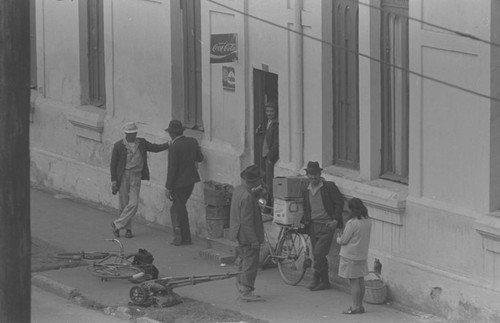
[223,48]
[228,78]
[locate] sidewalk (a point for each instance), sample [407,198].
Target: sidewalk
[75,226]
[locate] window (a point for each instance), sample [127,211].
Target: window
[345,75]
[191,36]
[92,44]
[395,90]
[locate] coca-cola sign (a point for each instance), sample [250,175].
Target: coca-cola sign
[223,48]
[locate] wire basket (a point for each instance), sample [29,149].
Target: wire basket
[375,289]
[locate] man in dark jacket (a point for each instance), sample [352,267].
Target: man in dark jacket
[269,129]
[323,206]
[182,174]
[246,227]
[129,165]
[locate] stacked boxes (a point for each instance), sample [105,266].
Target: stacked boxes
[217,203]
[288,201]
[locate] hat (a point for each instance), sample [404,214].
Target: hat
[175,126]
[313,167]
[272,104]
[130,127]
[251,173]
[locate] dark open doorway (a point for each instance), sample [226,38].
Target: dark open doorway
[265,89]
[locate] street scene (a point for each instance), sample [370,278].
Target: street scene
[250,161]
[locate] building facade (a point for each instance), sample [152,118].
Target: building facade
[398,100]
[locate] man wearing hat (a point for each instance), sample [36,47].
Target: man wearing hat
[269,131]
[246,227]
[182,174]
[129,165]
[323,206]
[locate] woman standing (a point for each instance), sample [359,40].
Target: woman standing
[354,242]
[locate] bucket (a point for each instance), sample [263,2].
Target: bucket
[217,218]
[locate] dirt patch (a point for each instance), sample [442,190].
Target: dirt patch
[42,259]
[194,311]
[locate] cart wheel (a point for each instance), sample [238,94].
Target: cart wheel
[138,295]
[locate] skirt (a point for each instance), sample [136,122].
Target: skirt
[352,268]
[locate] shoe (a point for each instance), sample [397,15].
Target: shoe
[128,234]
[116,232]
[251,297]
[359,310]
[175,243]
[315,282]
[186,243]
[321,286]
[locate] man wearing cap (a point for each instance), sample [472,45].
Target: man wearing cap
[129,165]
[246,227]
[182,174]
[323,206]
[269,129]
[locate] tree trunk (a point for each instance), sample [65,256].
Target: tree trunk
[15,238]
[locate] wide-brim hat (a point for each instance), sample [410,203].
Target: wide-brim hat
[251,174]
[313,167]
[175,126]
[130,127]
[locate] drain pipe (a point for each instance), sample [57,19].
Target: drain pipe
[298,133]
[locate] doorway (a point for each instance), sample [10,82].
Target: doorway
[265,89]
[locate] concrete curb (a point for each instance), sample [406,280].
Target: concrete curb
[55,287]
[73,294]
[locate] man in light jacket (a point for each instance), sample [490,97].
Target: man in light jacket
[129,165]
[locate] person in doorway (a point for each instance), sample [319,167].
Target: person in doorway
[323,206]
[269,129]
[182,174]
[129,165]
[246,227]
[354,243]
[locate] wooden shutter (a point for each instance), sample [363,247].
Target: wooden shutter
[97,95]
[192,64]
[395,90]
[346,110]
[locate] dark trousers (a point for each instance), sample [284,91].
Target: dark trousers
[268,168]
[179,214]
[321,242]
[248,268]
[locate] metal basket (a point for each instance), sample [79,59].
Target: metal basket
[375,289]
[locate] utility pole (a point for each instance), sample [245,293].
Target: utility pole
[15,236]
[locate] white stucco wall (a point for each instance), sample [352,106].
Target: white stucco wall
[429,233]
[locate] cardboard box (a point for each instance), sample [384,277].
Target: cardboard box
[289,187]
[288,211]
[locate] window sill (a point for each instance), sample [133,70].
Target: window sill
[488,226]
[88,121]
[386,199]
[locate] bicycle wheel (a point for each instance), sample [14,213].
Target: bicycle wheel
[114,271]
[82,255]
[292,255]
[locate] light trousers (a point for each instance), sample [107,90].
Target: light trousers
[130,188]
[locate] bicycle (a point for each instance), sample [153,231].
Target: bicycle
[107,264]
[291,251]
